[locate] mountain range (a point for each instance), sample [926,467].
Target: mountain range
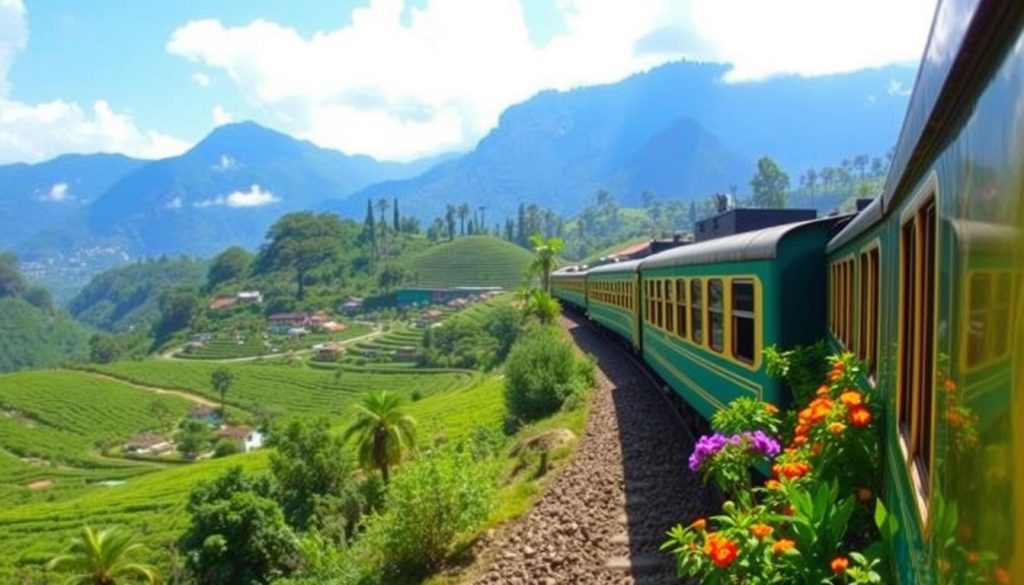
[677,130]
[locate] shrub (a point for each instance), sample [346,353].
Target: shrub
[225,447]
[542,370]
[428,504]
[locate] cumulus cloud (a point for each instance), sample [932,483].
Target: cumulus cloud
[254,197]
[175,203]
[37,131]
[201,79]
[398,83]
[57,193]
[221,116]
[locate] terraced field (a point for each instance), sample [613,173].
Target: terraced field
[273,387]
[51,423]
[471,261]
[223,348]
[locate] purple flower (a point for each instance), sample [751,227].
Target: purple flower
[706,447]
[766,445]
[709,445]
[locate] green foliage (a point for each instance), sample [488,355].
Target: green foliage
[221,380]
[429,503]
[746,414]
[545,259]
[385,434]
[233,264]
[770,185]
[303,242]
[541,372]
[312,468]
[238,533]
[801,368]
[103,349]
[178,306]
[543,307]
[39,298]
[225,447]
[12,283]
[33,338]
[193,438]
[103,558]
[129,296]
[480,337]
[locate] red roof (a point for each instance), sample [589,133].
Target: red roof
[630,250]
[239,432]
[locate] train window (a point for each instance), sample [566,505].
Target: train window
[743,315]
[696,309]
[649,304]
[915,398]
[862,304]
[873,296]
[716,318]
[681,308]
[670,306]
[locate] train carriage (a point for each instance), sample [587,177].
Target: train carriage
[924,286]
[568,285]
[708,310]
[612,298]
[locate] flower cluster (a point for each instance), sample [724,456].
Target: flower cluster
[757,442]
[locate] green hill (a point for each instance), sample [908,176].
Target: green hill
[471,261]
[31,337]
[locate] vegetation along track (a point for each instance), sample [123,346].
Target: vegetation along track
[603,519]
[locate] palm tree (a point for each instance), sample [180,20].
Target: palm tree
[543,306]
[546,258]
[102,558]
[386,434]
[463,213]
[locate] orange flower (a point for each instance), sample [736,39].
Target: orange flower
[772,484]
[840,564]
[721,550]
[851,397]
[788,510]
[836,428]
[771,408]
[777,470]
[823,390]
[949,385]
[860,416]
[782,546]
[835,376]
[800,440]
[864,495]
[805,416]
[801,430]
[1002,576]
[699,524]
[761,530]
[794,469]
[819,408]
[838,367]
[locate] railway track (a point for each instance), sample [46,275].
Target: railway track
[604,517]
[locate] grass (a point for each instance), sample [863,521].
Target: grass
[471,261]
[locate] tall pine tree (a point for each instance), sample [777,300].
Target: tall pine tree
[397,220]
[370,228]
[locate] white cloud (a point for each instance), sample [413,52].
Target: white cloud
[224,163]
[173,203]
[221,116]
[201,79]
[896,87]
[254,197]
[57,193]
[439,79]
[38,131]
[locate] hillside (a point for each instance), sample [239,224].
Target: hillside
[31,337]
[471,261]
[121,298]
[678,130]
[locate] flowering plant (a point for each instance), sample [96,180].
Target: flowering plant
[728,459]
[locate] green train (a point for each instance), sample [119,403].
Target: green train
[923,285]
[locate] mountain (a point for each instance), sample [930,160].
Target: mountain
[225,190]
[678,129]
[35,196]
[129,296]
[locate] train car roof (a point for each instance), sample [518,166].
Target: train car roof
[616,267]
[761,244]
[569,271]
[862,222]
[962,47]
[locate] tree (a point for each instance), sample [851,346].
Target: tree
[545,258]
[370,228]
[177,307]
[103,349]
[463,213]
[396,218]
[238,532]
[303,241]
[391,275]
[483,218]
[193,438]
[103,558]
[12,283]
[314,472]
[449,219]
[161,412]
[386,435]
[39,297]
[221,380]
[231,264]
[770,185]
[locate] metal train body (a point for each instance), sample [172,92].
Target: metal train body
[924,285]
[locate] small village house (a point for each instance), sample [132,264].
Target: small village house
[281,323]
[245,437]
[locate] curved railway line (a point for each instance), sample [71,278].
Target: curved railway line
[603,518]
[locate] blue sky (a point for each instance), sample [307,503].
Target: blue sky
[380,77]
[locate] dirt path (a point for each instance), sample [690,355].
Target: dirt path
[605,515]
[193,398]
